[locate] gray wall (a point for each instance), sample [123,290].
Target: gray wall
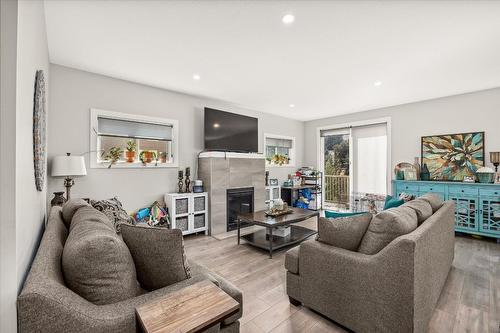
[32,55]
[478,111]
[23,51]
[8,55]
[74,92]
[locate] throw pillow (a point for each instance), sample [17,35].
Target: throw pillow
[330,214]
[421,207]
[434,200]
[343,232]
[406,196]
[113,209]
[69,209]
[166,246]
[391,202]
[96,263]
[387,226]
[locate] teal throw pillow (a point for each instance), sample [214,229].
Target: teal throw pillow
[391,202]
[330,214]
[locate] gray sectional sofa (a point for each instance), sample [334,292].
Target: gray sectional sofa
[46,304]
[394,290]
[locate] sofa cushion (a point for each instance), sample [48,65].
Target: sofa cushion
[434,200]
[387,226]
[343,232]
[69,209]
[421,207]
[292,260]
[96,263]
[113,209]
[158,255]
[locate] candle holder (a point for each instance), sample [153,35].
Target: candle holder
[188,181]
[180,183]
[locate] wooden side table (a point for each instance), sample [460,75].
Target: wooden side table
[191,309]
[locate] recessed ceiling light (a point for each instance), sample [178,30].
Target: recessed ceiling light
[196,77]
[292,105]
[377,83]
[288,18]
[216,125]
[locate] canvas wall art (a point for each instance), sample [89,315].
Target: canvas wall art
[452,157]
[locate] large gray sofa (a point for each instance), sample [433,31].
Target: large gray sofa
[394,290]
[46,304]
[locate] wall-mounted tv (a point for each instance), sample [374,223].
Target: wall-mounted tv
[226,131]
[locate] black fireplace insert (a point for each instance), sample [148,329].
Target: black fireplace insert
[239,200]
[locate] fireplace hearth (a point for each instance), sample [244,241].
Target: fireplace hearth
[239,200]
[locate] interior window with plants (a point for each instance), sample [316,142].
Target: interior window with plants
[133,143]
[279,151]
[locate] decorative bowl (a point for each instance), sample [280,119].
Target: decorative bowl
[485,175]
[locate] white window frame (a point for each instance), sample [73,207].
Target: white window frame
[95,164]
[292,150]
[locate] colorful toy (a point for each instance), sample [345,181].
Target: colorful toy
[153,216]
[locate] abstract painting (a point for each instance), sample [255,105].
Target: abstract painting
[451,157]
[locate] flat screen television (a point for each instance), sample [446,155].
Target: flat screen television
[226,131]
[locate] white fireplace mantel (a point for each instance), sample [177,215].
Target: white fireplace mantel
[222,154]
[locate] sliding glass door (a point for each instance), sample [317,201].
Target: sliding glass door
[336,164]
[354,161]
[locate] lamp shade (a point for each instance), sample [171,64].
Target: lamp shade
[63,166]
[495,157]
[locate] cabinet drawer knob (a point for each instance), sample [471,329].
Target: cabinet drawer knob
[463,191]
[431,189]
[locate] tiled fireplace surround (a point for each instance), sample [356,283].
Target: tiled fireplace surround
[222,171]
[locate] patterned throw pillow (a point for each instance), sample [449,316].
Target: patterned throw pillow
[406,197]
[113,209]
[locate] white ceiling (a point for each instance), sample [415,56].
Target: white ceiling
[325,63]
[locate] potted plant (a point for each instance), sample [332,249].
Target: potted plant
[163,157]
[280,159]
[147,156]
[130,153]
[113,155]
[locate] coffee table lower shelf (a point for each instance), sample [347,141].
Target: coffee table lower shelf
[261,240]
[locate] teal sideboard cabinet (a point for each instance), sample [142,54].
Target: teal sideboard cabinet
[477,205]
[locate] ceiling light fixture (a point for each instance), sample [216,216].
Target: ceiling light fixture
[377,83]
[216,125]
[288,18]
[292,105]
[196,77]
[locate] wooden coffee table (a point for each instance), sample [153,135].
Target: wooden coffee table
[191,309]
[263,240]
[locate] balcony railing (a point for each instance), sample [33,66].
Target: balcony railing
[336,189]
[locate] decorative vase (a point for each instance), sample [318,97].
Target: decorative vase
[417,167]
[58,199]
[424,173]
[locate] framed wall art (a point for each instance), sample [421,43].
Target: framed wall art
[39,128]
[451,157]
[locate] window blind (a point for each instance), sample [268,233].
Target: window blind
[133,129]
[283,143]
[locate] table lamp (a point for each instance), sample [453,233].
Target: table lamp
[68,166]
[495,159]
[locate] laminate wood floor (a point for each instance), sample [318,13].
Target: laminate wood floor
[469,302]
